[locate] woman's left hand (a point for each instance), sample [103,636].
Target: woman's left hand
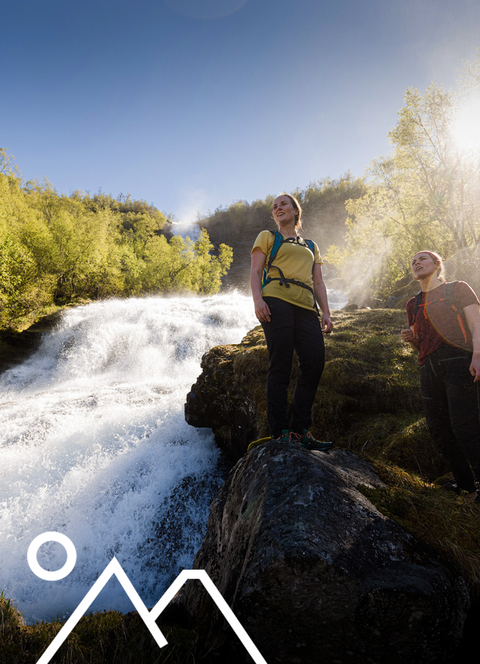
[327,325]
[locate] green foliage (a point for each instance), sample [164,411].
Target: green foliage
[106,636]
[425,195]
[57,249]
[210,270]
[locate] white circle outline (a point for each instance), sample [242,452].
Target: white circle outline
[61,573]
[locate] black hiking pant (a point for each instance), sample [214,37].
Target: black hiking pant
[452,409]
[292,328]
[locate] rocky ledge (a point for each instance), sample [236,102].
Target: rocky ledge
[315,573]
[333,557]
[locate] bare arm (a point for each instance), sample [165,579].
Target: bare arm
[321,295]
[262,312]
[472,316]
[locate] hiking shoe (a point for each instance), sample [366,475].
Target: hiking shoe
[284,437]
[307,441]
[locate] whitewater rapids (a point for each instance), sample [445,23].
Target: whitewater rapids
[94,445]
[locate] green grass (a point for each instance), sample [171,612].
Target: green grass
[449,525]
[106,637]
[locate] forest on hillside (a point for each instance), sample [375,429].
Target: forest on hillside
[57,249]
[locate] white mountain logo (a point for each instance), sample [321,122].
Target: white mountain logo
[149,617]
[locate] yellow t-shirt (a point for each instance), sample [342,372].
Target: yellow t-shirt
[296,262]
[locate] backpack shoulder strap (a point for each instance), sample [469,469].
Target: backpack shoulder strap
[416,305]
[415,308]
[277,243]
[311,245]
[450,301]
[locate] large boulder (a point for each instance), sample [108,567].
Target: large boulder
[315,573]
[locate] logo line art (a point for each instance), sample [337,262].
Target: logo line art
[149,617]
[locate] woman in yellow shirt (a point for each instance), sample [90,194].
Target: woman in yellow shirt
[286,307]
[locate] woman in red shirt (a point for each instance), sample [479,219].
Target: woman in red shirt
[444,329]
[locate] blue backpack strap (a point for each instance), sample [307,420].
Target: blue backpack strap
[284,281]
[310,244]
[277,243]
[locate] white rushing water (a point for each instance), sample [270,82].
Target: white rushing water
[94,445]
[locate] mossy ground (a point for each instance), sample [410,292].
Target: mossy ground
[447,523]
[369,402]
[106,637]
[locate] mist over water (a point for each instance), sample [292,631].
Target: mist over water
[93,444]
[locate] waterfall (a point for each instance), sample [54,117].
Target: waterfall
[93,444]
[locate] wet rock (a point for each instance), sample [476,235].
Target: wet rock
[225,397]
[315,573]
[16,347]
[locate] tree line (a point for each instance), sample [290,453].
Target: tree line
[57,249]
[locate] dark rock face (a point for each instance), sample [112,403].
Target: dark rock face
[20,345]
[315,573]
[223,398]
[211,404]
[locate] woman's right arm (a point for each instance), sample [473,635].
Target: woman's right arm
[262,312]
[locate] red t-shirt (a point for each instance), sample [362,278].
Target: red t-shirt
[437,323]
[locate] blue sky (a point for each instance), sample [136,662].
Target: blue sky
[193,104]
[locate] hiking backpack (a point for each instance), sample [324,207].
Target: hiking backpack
[448,299]
[278,241]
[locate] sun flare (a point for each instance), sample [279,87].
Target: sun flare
[466,126]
